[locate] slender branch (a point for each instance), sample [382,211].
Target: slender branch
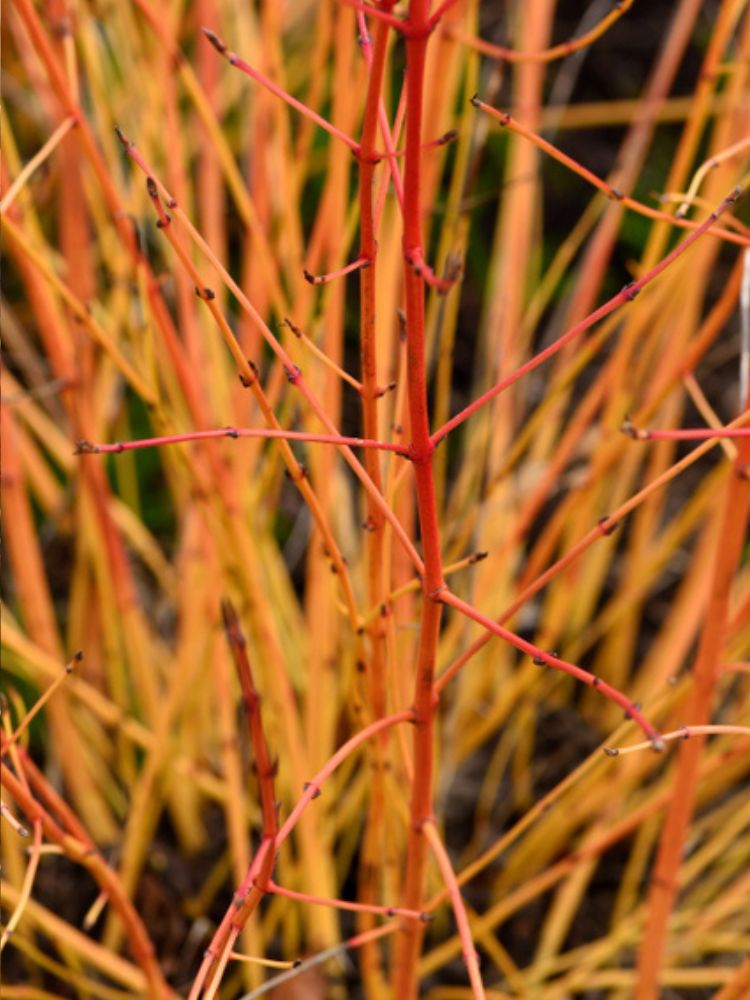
[683,733]
[295,373]
[507,121]
[26,886]
[264,768]
[603,529]
[711,164]
[551,54]
[36,161]
[543,658]
[250,891]
[344,904]
[372,839]
[324,279]
[266,963]
[625,295]
[313,788]
[244,901]
[256,881]
[421,267]
[43,699]
[140,942]
[322,956]
[12,822]
[274,88]
[686,434]
[267,433]
[731,539]
[464,930]
[321,355]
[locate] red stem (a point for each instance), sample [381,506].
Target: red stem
[264,768]
[409,941]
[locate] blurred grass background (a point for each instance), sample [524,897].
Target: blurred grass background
[128,557]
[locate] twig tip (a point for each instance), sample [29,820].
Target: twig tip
[215,40]
[628,427]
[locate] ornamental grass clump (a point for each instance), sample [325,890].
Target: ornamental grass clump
[375,455]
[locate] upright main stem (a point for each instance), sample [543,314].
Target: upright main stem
[665,880]
[409,941]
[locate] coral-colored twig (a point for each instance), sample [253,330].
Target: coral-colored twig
[542,657]
[604,527]
[235,60]
[507,121]
[560,51]
[684,434]
[344,904]
[256,881]
[625,295]
[313,347]
[324,279]
[415,258]
[459,910]
[683,733]
[89,448]
[293,373]
[380,15]
[36,161]
[313,787]
[44,698]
